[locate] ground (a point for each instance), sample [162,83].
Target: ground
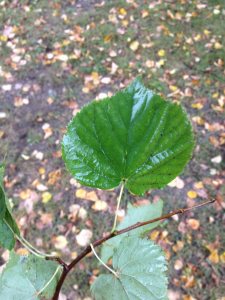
[57,56]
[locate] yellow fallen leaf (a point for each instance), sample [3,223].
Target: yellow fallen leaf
[81,193]
[41,171]
[173,88]
[200,121]
[92,196]
[192,194]
[206,32]
[161,53]
[154,235]
[108,38]
[222,257]
[218,46]
[134,45]
[214,256]
[3,38]
[197,105]
[122,11]
[46,197]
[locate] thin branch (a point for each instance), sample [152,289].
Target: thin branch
[97,243]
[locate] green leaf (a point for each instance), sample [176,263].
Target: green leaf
[134,136]
[7,239]
[141,266]
[8,226]
[25,276]
[134,215]
[2,194]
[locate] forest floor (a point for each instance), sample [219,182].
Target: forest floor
[57,56]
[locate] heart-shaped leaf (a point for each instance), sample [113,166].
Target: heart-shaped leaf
[24,278]
[134,215]
[134,137]
[141,266]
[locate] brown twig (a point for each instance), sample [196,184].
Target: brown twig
[87,250]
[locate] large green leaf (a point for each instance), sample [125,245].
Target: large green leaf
[25,276]
[141,266]
[134,136]
[134,215]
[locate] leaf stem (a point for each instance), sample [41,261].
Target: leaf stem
[102,262]
[50,280]
[26,244]
[118,206]
[88,249]
[35,249]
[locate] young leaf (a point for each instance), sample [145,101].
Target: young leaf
[134,215]
[134,136]
[24,278]
[141,266]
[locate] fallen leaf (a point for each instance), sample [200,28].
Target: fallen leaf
[217,159]
[84,237]
[46,197]
[161,53]
[100,205]
[178,264]
[214,256]
[192,194]
[134,45]
[60,242]
[193,224]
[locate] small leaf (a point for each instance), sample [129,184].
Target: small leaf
[134,137]
[141,266]
[25,276]
[134,215]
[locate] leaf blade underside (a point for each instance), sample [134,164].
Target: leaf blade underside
[138,278]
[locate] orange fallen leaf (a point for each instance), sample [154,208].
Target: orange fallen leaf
[193,224]
[214,256]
